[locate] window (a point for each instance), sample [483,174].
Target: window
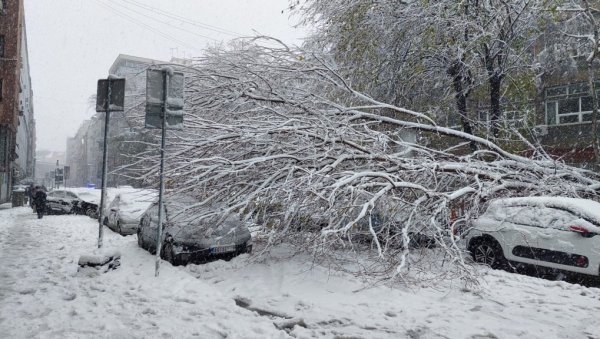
[1,45]
[556,91]
[1,89]
[578,88]
[2,7]
[551,113]
[568,104]
[4,146]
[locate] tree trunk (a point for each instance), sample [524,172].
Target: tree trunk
[495,83]
[590,15]
[591,84]
[456,72]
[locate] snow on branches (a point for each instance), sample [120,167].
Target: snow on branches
[277,134]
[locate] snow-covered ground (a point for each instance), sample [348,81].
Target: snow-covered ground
[42,295]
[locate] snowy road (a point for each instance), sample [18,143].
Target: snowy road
[42,295]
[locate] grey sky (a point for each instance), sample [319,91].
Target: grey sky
[72,44]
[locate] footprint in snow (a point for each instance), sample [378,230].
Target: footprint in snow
[27,291]
[185,300]
[69,296]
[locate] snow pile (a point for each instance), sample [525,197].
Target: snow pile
[584,208]
[99,262]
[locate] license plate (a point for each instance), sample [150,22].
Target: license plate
[222,249]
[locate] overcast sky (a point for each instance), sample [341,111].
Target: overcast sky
[73,43]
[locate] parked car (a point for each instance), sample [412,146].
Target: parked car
[89,200]
[193,235]
[65,202]
[125,210]
[559,234]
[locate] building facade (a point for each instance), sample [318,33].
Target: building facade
[17,126]
[84,150]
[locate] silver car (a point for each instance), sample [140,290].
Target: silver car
[126,209]
[193,234]
[61,201]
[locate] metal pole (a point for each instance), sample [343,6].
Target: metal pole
[161,191]
[104,165]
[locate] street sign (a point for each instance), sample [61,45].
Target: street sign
[164,110]
[155,99]
[58,175]
[117,95]
[110,97]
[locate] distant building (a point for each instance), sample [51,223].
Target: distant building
[45,165]
[84,150]
[81,171]
[17,125]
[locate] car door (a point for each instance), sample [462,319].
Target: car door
[63,202]
[57,201]
[52,200]
[563,244]
[150,228]
[71,198]
[519,232]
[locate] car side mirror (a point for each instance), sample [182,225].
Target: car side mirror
[584,232]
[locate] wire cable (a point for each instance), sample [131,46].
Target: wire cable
[183,19]
[144,25]
[165,23]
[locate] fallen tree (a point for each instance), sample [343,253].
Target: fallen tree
[276,134]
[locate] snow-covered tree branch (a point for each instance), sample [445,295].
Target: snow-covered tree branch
[279,135]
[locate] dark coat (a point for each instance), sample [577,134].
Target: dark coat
[39,198]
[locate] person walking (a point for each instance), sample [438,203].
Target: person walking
[40,201]
[29,192]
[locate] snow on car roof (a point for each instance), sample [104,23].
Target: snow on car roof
[587,209]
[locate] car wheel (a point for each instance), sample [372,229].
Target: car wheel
[167,252]
[488,252]
[90,213]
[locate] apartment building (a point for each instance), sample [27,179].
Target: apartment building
[84,150]
[17,125]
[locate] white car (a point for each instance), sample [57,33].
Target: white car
[124,212]
[561,234]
